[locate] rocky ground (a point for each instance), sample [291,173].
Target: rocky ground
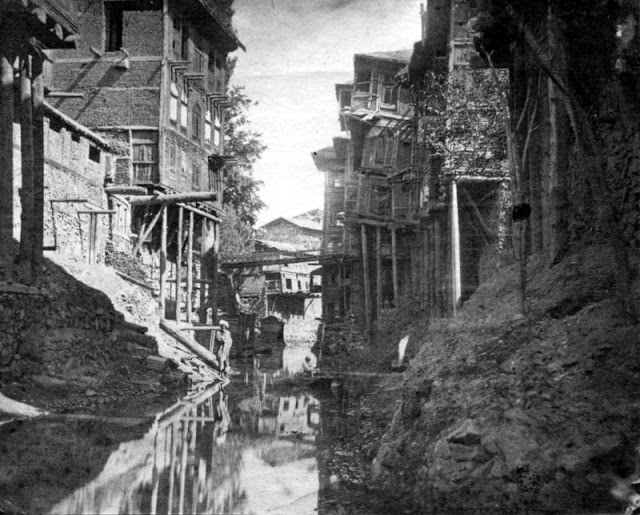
[504,413]
[88,342]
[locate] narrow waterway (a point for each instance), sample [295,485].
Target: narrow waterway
[261,443]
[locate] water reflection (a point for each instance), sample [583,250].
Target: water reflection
[248,450]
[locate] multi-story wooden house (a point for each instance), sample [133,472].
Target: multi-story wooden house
[151,77]
[363,210]
[416,183]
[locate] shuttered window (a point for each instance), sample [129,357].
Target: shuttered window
[144,147]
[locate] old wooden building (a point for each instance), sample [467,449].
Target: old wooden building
[150,76]
[416,189]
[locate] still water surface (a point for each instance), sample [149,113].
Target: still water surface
[254,445]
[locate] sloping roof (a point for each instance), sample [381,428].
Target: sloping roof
[402,56]
[306,224]
[78,127]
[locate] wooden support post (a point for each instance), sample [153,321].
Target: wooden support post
[456,285]
[93,237]
[38,168]
[183,464]
[179,264]
[190,267]
[436,266]
[172,469]
[145,232]
[394,265]
[163,262]
[6,155]
[365,273]
[378,271]
[26,154]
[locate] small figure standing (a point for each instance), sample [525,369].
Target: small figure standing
[308,367]
[222,346]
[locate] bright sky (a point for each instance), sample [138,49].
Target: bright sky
[296,51]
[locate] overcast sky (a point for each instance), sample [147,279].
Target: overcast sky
[296,51]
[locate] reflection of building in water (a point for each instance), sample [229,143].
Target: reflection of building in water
[179,466]
[295,415]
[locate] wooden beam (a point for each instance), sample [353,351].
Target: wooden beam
[125,190]
[365,273]
[378,271]
[179,263]
[163,262]
[394,265]
[206,356]
[174,198]
[148,230]
[190,268]
[201,212]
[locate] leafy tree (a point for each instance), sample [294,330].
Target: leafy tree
[241,192]
[236,235]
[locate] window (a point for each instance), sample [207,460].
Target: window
[55,124]
[217,128]
[144,145]
[196,116]
[199,61]
[94,154]
[345,98]
[363,81]
[289,284]
[389,96]
[75,137]
[173,104]
[184,109]
[113,25]
[388,149]
[299,285]
[195,176]
[207,127]
[184,43]
[379,150]
[173,161]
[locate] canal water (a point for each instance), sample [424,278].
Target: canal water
[258,444]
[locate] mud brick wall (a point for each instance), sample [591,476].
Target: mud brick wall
[28,323]
[71,174]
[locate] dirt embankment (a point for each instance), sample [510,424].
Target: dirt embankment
[89,341]
[502,413]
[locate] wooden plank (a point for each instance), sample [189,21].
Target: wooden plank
[190,267]
[365,270]
[206,356]
[200,212]
[179,264]
[174,198]
[394,266]
[163,262]
[148,230]
[378,271]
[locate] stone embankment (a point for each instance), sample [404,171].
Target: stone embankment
[88,339]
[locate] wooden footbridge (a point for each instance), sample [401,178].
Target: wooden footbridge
[276,258]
